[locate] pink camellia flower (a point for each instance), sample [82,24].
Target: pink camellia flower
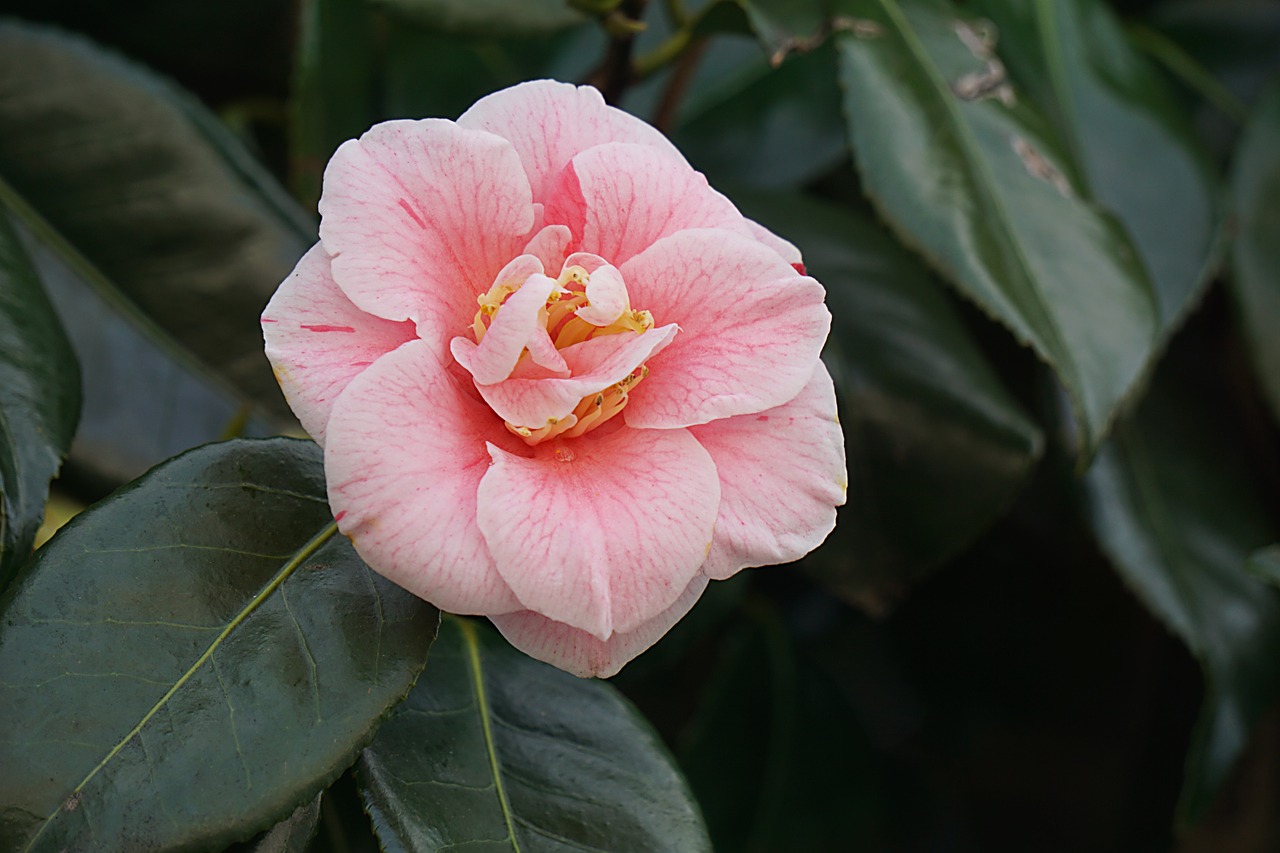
[559,380]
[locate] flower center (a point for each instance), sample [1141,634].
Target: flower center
[582,306]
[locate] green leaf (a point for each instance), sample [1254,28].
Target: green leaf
[1130,135]
[143,400]
[39,400]
[495,751]
[975,179]
[291,835]
[136,184]
[775,754]
[1170,501]
[486,17]
[937,448]
[1265,564]
[1256,251]
[189,660]
[781,26]
[764,127]
[333,88]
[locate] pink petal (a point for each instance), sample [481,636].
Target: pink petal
[595,364]
[619,198]
[606,296]
[782,474]
[419,217]
[514,327]
[751,328]
[406,452]
[582,654]
[603,532]
[549,123]
[548,245]
[318,341]
[784,248]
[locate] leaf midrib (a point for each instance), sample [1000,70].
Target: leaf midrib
[472,643]
[300,556]
[977,164]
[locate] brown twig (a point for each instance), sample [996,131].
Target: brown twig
[676,86]
[615,73]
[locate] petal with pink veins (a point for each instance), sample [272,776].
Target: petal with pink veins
[605,532]
[582,654]
[419,216]
[782,474]
[785,249]
[550,122]
[406,451]
[620,198]
[515,326]
[595,365]
[606,296]
[318,341]
[751,328]
[548,245]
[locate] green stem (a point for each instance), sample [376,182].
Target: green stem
[669,51]
[1183,66]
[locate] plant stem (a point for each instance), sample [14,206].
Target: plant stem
[679,83]
[615,72]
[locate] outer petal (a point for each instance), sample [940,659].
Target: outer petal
[550,122]
[318,341]
[582,654]
[751,328]
[596,364]
[619,198]
[784,248]
[419,216]
[602,533]
[782,474]
[406,451]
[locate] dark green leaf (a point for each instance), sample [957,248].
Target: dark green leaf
[333,87]
[144,401]
[937,448]
[1140,158]
[781,26]
[291,835]
[189,660]
[769,128]
[39,400]
[775,755]
[976,180]
[1265,564]
[486,17]
[1256,251]
[107,161]
[495,751]
[1170,501]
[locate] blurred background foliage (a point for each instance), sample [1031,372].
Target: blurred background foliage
[1047,619]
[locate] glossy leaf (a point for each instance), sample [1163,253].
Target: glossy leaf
[495,751]
[39,400]
[487,17]
[776,756]
[974,179]
[291,835]
[107,161]
[781,26]
[1256,250]
[189,660]
[144,399]
[937,448]
[765,127]
[1138,153]
[1265,563]
[1170,502]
